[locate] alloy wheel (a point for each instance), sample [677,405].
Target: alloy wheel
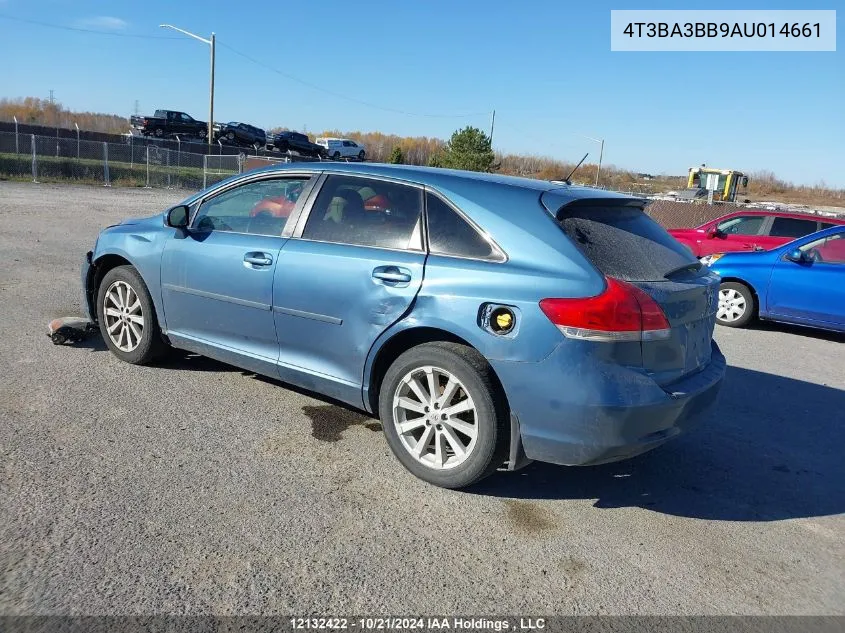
[732,305]
[435,417]
[124,316]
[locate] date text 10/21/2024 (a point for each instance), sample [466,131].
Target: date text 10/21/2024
[428,623]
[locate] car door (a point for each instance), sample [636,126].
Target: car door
[813,290]
[217,276]
[346,276]
[736,233]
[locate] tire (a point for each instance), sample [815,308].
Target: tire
[158,132]
[139,350]
[202,133]
[361,156]
[336,155]
[231,136]
[481,431]
[737,305]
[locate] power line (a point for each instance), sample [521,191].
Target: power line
[347,97]
[81,30]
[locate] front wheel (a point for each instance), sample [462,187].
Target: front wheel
[444,416]
[127,317]
[361,155]
[737,305]
[202,133]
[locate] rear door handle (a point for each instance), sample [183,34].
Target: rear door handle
[258,259]
[392,274]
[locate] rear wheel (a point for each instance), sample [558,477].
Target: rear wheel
[443,414]
[336,155]
[361,155]
[737,305]
[127,317]
[158,132]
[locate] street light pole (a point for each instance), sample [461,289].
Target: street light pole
[601,153]
[211,43]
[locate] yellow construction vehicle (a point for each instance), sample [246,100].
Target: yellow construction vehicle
[724,183]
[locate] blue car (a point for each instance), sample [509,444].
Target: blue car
[802,282]
[486,320]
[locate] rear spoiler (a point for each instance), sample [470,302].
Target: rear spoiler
[559,201]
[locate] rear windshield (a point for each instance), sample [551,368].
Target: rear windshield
[625,243]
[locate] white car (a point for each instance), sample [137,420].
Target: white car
[342,148]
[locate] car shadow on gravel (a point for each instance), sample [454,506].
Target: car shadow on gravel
[772,451]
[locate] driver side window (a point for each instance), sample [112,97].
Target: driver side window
[258,208]
[830,250]
[742,225]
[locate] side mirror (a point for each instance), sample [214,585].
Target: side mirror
[715,232]
[177,217]
[798,256]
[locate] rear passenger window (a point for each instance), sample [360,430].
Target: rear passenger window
[366,212]
[450,234]
[792,227]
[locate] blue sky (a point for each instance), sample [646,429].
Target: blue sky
[545,67]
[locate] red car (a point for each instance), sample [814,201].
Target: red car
[751,231]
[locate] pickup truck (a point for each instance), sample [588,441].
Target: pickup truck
[284,141]
[169,122]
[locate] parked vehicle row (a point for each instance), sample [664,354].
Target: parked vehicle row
[777,266]
[167,123]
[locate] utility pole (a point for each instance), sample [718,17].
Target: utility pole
[137,107]
[211,98]
[492,125]
[51,97]
[210,42]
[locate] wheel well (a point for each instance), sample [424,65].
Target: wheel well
[402,342]
[742,282]
[103,265]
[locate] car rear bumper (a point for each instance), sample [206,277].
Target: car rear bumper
[594,413]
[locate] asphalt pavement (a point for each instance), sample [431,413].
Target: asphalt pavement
[192,487]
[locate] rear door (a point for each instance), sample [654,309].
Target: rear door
[811,292]
[781,230]
[624,243]
[345,277]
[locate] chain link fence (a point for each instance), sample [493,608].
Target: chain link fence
[131,163]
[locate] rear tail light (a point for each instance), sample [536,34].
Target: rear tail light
[622,312]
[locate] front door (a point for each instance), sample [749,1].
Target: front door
[348,274]
[812,291]
[217,276]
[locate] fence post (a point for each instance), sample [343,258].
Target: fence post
[147,186]
[204,165]
[106,176]
[241,163]
[131,154]
[17,146]
[34,162]
[168,168]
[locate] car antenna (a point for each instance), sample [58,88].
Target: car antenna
[567,179]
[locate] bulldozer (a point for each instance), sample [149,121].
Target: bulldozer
[723,183]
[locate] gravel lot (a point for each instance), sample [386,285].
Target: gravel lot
[193,487]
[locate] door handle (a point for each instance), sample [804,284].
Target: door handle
[392,274]
[258,259]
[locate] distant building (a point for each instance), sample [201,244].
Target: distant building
[645,176]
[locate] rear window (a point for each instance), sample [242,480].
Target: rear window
[623,242]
